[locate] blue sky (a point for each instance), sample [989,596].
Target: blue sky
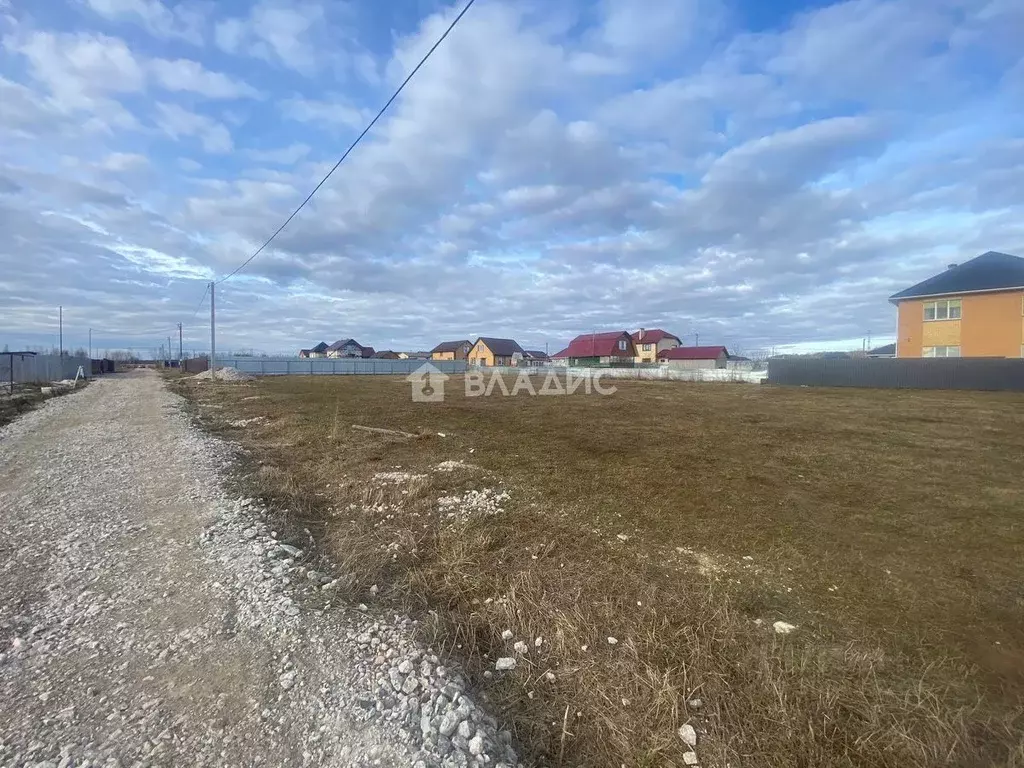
[765,174]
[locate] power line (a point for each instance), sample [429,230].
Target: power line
[354,144]
[201,302]
[102,334]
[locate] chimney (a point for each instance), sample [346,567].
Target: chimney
[640,336]
[950,266]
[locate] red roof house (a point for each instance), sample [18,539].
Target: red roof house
[610,348]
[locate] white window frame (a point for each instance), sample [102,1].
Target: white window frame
[941,350]
[622,345]
[647,347]
[946,306]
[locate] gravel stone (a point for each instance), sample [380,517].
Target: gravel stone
[688,735]
[145,608]
[505,663]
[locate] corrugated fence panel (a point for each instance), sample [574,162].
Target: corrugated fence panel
[42,368]
[994,374]
[277,366]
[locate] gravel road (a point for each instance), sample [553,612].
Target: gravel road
[148,618]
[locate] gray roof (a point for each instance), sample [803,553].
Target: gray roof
[535,353]
[339,344]
[992,271]
[501,347]
[888,349]
[451,346]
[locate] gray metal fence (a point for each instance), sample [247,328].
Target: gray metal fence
[284,366]
[901,373]
[41,369]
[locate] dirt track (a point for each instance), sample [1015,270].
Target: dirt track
[147,618]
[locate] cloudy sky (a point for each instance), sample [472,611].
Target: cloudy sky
[760,173]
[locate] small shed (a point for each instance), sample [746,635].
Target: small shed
[691,358]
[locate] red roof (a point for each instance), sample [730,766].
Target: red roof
[653,336]
[598,345]
[693,353]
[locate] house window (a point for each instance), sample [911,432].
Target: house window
[622,345]
[946,309]
[940,352]
[647,347]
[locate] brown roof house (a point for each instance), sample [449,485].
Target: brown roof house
[320,350]
[349,348]
[534,357]
[451,350]
[649,343]
[489,351]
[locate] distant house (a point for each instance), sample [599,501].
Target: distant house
[348,348]
[320,350]
[889,350]
[533,357]
[487,351]
[694,357]
[649,343]
[972,309]
[613,348]
[386,354]
[451,350]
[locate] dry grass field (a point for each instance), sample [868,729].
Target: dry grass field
[683,520]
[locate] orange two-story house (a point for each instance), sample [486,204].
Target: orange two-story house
[974,309]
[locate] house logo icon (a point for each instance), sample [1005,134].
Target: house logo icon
[427,384]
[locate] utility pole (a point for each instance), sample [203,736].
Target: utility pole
[169,353]
[60,323]
[213,332]
[180,357]
[90,343]
[696,339]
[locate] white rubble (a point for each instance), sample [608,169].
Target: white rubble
[688,735]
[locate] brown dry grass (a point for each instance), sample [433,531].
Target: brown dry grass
[886,524]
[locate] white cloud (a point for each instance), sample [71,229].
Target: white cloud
[124,161]
[191,76]
[275,32]
[337,112]
[76,68]
[176,122]
[80,69]
[550,169]
[180,22]
[283,156]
